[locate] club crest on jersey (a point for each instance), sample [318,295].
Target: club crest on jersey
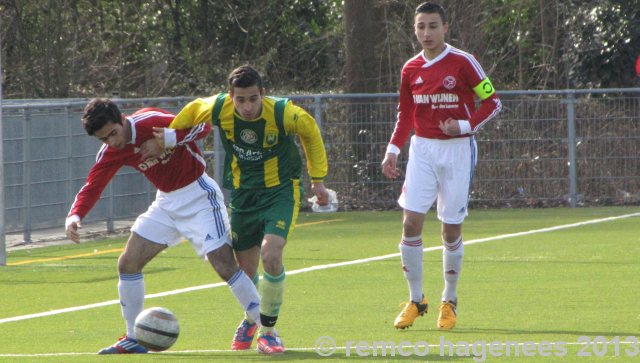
[248,136]
[449,82]
[271,139]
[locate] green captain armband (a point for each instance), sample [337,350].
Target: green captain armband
[484,89]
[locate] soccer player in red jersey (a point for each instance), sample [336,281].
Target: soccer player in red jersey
[188,204]
[438,90]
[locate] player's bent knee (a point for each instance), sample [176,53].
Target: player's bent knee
[271,253]
[272,261]
[129,265]
[411,228]
[223,262]
[451,232]
[412,223]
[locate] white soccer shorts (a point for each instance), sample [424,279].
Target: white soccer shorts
[441,169]
[195,212]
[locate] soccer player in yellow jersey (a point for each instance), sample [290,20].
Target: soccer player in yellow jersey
[262,169]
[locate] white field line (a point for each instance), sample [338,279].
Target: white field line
[318,267]
[352,348]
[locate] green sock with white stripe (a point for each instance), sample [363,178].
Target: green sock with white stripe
[272,295]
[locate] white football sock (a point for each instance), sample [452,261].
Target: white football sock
[256,281]
[452,254]
[246,293]
[131,292]
[411,254]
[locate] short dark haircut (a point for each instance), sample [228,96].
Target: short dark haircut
[244,76]
[98,112]
[431,8]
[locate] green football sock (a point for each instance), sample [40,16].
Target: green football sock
[271,296]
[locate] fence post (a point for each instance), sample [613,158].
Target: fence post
[3,246]
[69,129]
[26,235]
[317,111]
[571,148]
[110,224]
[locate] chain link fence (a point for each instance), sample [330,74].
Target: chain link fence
[546,148]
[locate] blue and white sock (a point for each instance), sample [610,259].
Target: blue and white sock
[256,281]
[131,292]
[246,293]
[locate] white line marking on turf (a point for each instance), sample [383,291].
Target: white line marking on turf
[318,267]
[311,349]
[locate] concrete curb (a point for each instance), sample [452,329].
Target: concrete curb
[56,236]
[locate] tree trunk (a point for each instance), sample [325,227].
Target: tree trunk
[363,34]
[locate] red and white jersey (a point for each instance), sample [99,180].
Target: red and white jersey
[432,91]
[172,170]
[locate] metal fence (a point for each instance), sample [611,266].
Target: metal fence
[546,148]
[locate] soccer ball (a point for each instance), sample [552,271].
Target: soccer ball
[156,329]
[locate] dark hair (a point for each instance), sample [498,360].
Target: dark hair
[98,112]
[244,76]
[431,8]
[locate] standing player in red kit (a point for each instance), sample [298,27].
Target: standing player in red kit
[188,203]
[437,99]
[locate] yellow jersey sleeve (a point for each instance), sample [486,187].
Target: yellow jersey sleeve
[194,113]
[299,122]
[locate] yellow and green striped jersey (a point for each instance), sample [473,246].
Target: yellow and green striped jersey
[260,153]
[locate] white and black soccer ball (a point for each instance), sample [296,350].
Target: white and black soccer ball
[156,328]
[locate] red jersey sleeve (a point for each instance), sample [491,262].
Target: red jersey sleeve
[404,122]
[479,83]
[106,166]
[489,108]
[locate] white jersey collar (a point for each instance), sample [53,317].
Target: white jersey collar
[428,63]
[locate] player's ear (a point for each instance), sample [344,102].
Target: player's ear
[262,92]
